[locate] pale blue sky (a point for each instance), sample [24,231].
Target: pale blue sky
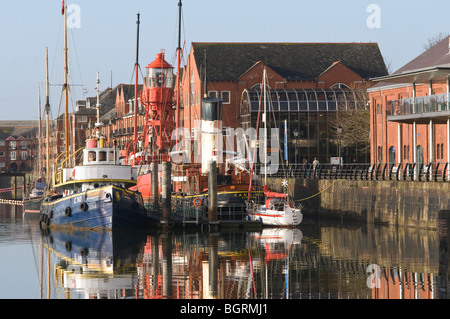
[106,40]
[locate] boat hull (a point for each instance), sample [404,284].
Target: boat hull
[231,198]
[32,206]
[277,218]
[105,208]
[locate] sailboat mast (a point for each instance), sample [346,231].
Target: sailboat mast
[47,124]
[177,112]
[136,85]
[98,124]
[39,134]
[265,126]
[66,85]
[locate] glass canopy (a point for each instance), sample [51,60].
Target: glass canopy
[303,100]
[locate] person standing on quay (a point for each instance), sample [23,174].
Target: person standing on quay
[315,163]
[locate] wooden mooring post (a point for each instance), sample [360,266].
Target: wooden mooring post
[212,195]
[154,185]
[166,193]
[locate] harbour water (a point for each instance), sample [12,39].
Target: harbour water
[316,260]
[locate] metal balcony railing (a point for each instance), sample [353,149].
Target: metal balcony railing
[424,172]
[419,105]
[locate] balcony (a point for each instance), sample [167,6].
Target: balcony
[420,109]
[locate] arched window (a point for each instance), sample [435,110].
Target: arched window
[392,154]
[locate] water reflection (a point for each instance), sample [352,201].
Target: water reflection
[325,262]
[315,261]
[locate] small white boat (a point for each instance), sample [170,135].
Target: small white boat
[276,211]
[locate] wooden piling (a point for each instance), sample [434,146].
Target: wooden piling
[212,192]
[154,185]
[15,187]
[166,192]
[167,269]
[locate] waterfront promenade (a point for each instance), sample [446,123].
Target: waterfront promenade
[388,194]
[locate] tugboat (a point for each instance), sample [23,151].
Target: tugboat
[94,195]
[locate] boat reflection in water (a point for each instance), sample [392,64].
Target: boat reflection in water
[276,263]
[120,264]
[89,264]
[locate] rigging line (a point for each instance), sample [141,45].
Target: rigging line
[184,36]
[142,74]
[300,200]
[274,121]
[76,58]
[56,50]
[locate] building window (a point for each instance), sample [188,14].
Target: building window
[225,95]
[23,145]
[226,131]
[12,156]
[213,94]
[2,165]
[192,89]
[2,154]
[12,145]
[2,142]
[61,136]
[440,151]
[23,156]
[406,152]
[82,119]
[392,154]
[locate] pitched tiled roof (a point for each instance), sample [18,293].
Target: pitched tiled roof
[293,61]
[438,55]
[108,99]
[18,128]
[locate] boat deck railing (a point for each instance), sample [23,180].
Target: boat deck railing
[61,162]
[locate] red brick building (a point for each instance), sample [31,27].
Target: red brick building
[119,120]
[319,69]
[18,146]
[410,111]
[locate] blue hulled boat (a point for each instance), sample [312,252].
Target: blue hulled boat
[95,195]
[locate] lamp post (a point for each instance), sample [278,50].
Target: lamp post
[296,152]
[339,131]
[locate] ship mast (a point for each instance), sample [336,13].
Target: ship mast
[66,85]
[40,135]
[98,124]
[136,86]
[47,125]
[177,114]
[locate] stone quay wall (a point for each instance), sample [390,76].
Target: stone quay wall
[393,203]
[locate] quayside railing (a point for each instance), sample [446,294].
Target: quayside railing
[423,172]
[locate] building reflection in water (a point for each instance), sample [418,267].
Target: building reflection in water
[324,263]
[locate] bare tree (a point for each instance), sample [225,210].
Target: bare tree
[354,118]
[431,42]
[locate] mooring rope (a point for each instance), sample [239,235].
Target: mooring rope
[300,200]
